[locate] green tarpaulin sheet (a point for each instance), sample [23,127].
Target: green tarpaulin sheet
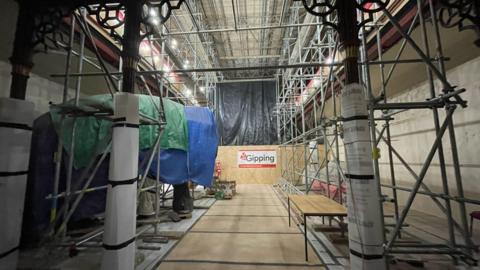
[92,134]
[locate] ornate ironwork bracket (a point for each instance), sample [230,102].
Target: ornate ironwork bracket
[464,14]
[327,10]
[46,24]
[109,16]
[158,12]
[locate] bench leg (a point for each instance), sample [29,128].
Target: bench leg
[288,202]
[471,226]
[306,240]
[342,227]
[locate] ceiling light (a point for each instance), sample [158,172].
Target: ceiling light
[144,49]
[155,21]
[153,12]
[329,60]
[166,68]
[173,43]
[188,92]
[202,89]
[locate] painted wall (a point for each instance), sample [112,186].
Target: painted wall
[227,155]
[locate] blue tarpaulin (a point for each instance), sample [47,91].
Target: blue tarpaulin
[197,165]
[177,167]
[173,166]
[202,144]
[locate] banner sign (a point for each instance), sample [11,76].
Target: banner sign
[257,158]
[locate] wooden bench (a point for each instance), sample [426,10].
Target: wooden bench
[315,205]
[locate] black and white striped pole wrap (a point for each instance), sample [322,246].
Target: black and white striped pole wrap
[120,212]
[16,118]
[365,227]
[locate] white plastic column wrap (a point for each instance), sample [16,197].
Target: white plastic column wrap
[365,225]
[120,212]
[16,118]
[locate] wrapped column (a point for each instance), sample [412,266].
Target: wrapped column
[120,212]
[16,117]
[365,224]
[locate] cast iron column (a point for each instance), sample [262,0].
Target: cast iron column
[16,117]
[365,221]
[131,43]
[121,203]
[22,56]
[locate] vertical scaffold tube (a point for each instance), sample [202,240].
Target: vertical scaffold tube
[120,212]
[16,117]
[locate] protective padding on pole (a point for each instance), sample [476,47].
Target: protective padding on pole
[120,212]
[365,226]
[16,118]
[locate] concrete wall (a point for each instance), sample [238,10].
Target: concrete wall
[413,134]
[40,91]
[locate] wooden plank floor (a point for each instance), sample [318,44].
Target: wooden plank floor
[248,232]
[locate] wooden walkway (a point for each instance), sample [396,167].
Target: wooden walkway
[248,232]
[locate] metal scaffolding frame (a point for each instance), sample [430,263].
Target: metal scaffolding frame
[305,129]
[309,78]
[74,193]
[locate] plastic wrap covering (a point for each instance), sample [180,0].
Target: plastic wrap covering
[177,167]
[245,113]
[174,170]
[93,134]
[40,184]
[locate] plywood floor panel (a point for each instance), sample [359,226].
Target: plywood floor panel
[234,210]
[244,224]
[256,199]
[232,247]
[248,232]
[250,202]
[254,188]
[221,266]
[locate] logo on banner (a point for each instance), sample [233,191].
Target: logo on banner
[257,159]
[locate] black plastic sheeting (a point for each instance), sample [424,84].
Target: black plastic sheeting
[244,113]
